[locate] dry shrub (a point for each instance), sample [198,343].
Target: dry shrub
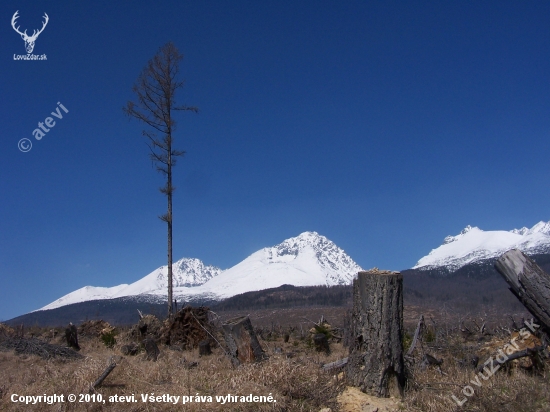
[6,331]
[94,328]
[148,326]
[187,328]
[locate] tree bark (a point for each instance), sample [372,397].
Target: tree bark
[528,282]
[376,363]
[242,342]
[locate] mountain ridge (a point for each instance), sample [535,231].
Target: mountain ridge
[475,245]
[308,259]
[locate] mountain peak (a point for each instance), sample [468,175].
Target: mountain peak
[467,229]
[474,244]
[541,227]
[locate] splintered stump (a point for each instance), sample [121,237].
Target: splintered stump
[242,342]
[71,335]
[528,282]
[375,363]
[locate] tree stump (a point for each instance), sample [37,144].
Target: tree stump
[151,349]
[242,342]
[528,282]
[321,343]
[204,348]
[71,335]
[376,363]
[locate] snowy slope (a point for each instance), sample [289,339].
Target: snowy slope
[186,272]
[473,244]
[306,260]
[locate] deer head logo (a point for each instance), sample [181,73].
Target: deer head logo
[29,40]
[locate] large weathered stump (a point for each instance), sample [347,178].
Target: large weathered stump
[528,282]
[242,342]
[375,363]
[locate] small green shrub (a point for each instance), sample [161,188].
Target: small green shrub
[429,335]
[407,341]
[324,330]
[109,339]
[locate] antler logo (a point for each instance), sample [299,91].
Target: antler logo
[29,40]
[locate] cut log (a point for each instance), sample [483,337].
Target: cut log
[242,342]
[528,282]
[376,362]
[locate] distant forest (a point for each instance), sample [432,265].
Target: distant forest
[289,296]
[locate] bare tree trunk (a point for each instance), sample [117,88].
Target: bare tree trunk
[376,363]
[155,90]
[528,282]
[169,222]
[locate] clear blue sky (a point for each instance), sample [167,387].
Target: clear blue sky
[384,126]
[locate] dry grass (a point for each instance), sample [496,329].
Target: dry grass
[511,388]
[296,382]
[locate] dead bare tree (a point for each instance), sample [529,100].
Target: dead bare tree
[156,91]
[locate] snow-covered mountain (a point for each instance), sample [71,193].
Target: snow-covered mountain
[474,245]
[305,260]
[186,272]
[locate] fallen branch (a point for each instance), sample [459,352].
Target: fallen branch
[493,364]
[34,346]
[334,365]
[106,372]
